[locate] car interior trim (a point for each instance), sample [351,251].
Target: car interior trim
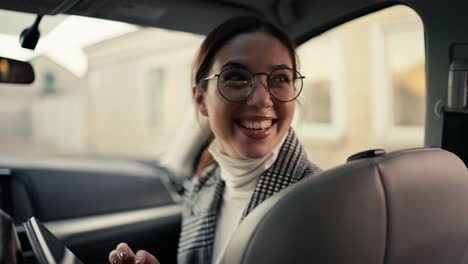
[77,226]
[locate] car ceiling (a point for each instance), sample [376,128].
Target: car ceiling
[302,18]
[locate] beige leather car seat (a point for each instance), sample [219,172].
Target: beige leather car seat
[408,206]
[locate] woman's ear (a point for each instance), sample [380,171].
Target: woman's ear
[198,95]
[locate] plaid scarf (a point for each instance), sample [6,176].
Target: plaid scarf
[203,199]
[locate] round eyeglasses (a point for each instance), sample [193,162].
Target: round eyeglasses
[237,84]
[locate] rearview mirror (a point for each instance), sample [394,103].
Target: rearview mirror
[13,71]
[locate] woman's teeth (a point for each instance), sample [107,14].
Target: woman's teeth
[255,124]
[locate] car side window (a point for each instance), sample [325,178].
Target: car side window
[364,87]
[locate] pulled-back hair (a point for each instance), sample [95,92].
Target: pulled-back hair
[231,28]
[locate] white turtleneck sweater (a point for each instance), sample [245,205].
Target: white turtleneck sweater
[240,177]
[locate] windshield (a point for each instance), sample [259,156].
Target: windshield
[100,89]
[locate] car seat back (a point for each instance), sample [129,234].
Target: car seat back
[409,206]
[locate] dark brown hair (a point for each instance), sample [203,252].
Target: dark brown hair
[231,28]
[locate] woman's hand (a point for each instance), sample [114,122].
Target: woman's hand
[123,254]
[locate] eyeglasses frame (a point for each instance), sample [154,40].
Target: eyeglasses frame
[301,77]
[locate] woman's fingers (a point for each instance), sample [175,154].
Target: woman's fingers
[143,257]
[123,254]
[113,258]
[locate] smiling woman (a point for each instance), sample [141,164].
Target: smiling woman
[238,125]
[246,83]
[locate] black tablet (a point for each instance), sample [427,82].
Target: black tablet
[47,248]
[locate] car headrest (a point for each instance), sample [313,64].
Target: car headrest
[409,206]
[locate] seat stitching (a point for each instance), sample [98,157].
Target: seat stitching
[387,212]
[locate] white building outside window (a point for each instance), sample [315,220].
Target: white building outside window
[398,65]
[155,91]
[320,115]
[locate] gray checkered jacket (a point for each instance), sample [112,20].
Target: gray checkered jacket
[203,199]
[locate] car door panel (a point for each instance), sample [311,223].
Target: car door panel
[91,209]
